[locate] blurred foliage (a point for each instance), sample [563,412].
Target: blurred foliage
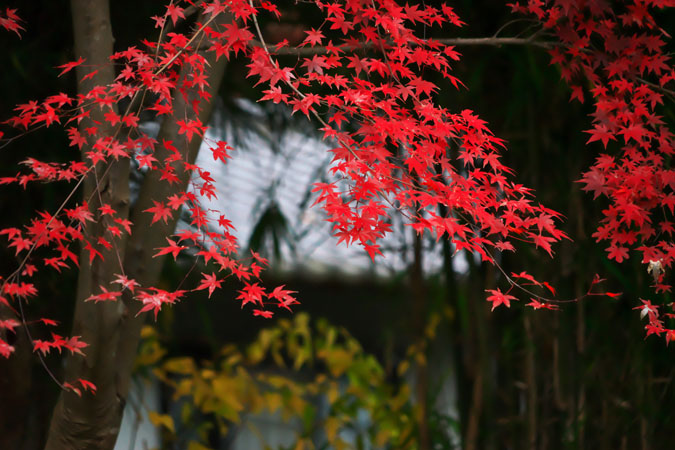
[313,375]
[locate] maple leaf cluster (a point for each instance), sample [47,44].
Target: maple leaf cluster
[10,21]
[396,150]
[156,72]
[617,51]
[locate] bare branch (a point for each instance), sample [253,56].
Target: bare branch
[460,42]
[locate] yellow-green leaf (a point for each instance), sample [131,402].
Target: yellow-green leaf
[184,366]
[194,445]
[162,420]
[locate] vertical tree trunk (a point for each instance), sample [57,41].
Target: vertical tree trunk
[92,421]
[420,315]
[480,409]
[15,388]
[531,381]
[112,329]
[580,410]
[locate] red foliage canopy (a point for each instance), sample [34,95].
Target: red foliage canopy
[360,76]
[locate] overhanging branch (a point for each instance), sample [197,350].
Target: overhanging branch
[459,42]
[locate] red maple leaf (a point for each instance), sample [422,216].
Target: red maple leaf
[126,282]
[74,345]
[42,346]
[314,37]
[263,313]
[617,253]
[9,324]
[160,212]
[173,248]
[87,385]
[497,297]
[11,21]
[220,151]
[67,67]
[49,322]
[536,304]
[647,309]
[284,297]
[105,295]
[600,133]
[175,12]
[209,282]
[93,253]
[595,182]
[252,293]
[275,94]
[544,242]
[5,349]
[190,128]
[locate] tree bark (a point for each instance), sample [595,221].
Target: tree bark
[420,316]
[112,329]
[15,387]
[92,421]
[531,382]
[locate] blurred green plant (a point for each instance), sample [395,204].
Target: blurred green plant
[313,375]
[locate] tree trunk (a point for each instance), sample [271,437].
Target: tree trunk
[420,315]
[15,388]
[112,329]
[531,382]
[92,421]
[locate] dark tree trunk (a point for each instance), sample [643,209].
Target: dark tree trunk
[419,295]
[15,388]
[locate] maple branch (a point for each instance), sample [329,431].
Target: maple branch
[460,42]
[509,23]
[23,262]
[261,43]
[186,46]
[519,286]
[496,41]
[289,84]
[666,91]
